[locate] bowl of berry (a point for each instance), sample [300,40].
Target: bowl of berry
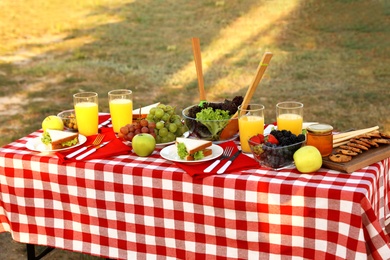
[276,150]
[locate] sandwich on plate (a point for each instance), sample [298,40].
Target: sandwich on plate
[193,149]
[56,139]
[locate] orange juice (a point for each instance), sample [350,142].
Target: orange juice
[291,122]
[87,117]
[121,111]
[249,126]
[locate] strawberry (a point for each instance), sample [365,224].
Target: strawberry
[261,137]
[257,139]
[272,139]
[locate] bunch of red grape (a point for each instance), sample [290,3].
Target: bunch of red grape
[127,132]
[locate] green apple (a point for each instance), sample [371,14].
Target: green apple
[308,159]
[143,144]
[52,122]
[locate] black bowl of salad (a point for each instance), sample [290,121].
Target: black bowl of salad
[208,120]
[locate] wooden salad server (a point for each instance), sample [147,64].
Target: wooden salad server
[198,66]
[232,127]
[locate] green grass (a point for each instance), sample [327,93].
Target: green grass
[331,55]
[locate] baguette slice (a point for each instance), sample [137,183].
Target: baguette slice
[60,139]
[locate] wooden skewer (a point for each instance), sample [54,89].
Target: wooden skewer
[366,130]
[340,143]
[198,66]
[337,138]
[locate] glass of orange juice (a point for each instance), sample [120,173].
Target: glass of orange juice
[250,123]
[121,108]
[289,116]
[87,112]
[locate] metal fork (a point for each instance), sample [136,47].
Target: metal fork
[97,141]
[226,154]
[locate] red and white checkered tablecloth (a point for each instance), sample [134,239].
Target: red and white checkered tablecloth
[129,207]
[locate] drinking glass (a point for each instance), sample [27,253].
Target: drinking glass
[250,123]
[289,116]
[121,108]
[87,112]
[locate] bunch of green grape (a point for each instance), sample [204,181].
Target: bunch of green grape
[168,124]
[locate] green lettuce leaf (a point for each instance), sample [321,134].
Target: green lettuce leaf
[70,143]
[214,120]
[182,152]
[46,138]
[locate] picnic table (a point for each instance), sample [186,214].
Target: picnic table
[130,207]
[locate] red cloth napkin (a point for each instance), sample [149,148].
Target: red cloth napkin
[114,148]
[103,118]
[242,162]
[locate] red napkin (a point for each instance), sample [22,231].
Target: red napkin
[242,162]
[114,148]
[102,118]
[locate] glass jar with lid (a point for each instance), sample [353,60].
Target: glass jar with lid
[320,136]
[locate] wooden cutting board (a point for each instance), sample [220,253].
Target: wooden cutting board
[360,161]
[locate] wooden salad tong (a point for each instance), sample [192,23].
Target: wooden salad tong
[232,127]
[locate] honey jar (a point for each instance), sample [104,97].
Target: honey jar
[320,136]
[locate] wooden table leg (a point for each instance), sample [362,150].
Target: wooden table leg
[31,252]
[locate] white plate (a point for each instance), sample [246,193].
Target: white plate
[37,145]
[161,145]
[170,153]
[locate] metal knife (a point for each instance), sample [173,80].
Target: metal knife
[227,164]
[104,123]
[77,152]
[91,151]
